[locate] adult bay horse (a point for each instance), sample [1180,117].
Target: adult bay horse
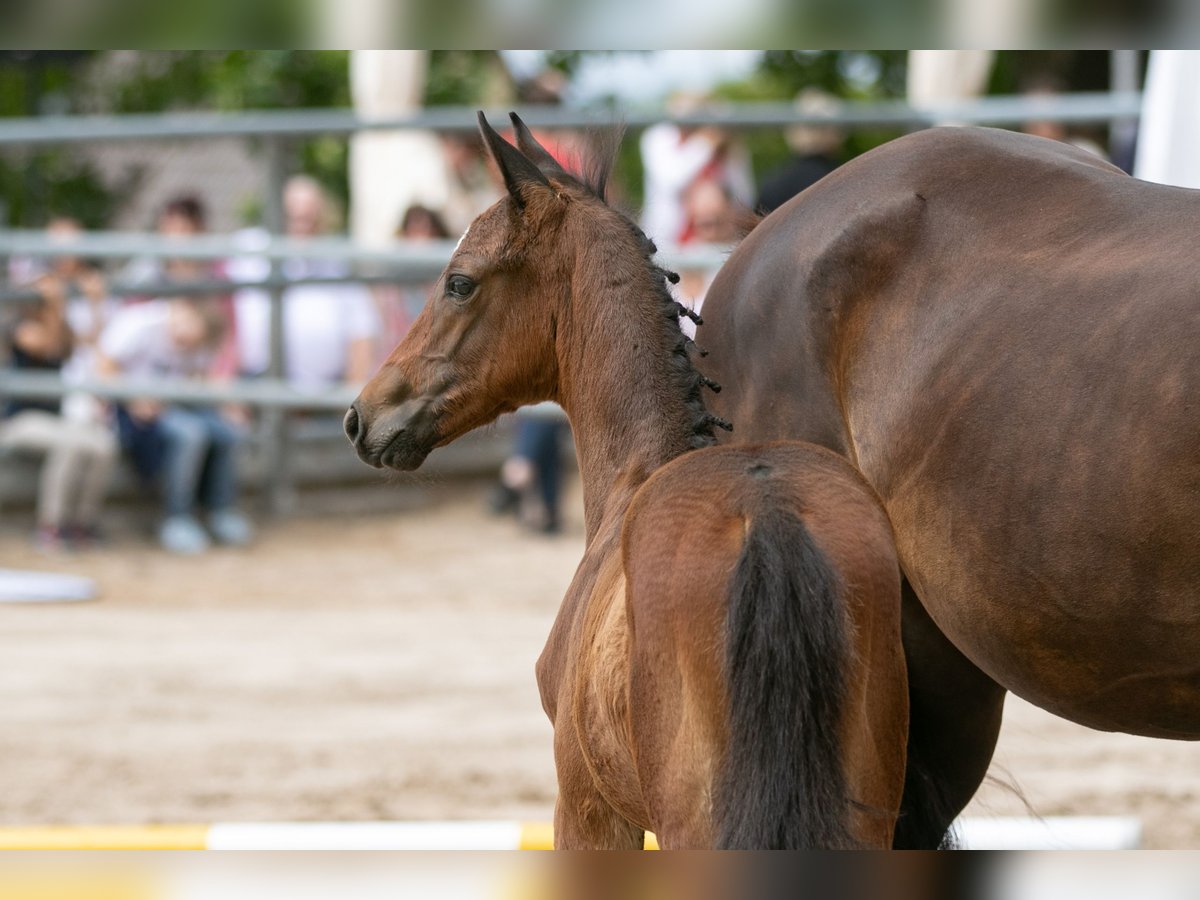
[726,667]
[1002,333]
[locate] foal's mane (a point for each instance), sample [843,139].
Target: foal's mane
[595,168]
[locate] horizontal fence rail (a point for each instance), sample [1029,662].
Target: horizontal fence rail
[263,392]
[999,110]
[426,257]
[214,286]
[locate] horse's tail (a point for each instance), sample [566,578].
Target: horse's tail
[781,785]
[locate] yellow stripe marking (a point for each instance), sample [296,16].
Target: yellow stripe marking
[105,837]
[77,884]
[540,836]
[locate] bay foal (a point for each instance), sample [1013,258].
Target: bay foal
[725,669]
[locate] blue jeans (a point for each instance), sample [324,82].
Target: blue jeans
[199,460]
[539,440]
[193,454]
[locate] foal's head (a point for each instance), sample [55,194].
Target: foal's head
[494,333]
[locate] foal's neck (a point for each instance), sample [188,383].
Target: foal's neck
[626,383]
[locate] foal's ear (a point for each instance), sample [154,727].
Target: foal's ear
[529,145]
[522,178]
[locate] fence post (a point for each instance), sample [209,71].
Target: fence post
[1124,70]
[277,474]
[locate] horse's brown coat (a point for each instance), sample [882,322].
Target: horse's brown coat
[569,307]
[1003,333]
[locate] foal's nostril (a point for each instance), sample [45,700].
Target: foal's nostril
[351,424]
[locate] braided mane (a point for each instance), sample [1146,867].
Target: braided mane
[597,167]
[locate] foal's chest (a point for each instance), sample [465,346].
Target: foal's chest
[600,711]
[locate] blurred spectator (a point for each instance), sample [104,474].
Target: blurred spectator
[1048,86]
[329,330]
[471,185]
[674,158]
[189,450]
[88,303]
[420,223]
[568,146]
[182,218]
[88,306]
[400,304]
[814,153]
[530,484]
[79,452]
[712,216]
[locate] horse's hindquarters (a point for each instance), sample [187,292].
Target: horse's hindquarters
[764,600]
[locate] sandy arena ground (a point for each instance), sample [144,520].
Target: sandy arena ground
[373,659]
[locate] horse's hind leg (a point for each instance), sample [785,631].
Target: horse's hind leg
[955,712]
[583,819]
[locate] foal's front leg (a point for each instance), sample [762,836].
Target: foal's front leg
[583,819]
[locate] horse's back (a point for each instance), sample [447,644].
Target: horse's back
[949,201]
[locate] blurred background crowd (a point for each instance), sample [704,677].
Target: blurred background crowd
[158,319]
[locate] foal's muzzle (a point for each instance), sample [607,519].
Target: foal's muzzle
[396,438]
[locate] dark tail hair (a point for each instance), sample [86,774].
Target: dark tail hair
[781,785]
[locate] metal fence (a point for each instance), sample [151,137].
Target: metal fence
[401,262]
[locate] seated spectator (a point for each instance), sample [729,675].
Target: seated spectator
[471,185]
[1046,87]
[815,150]
[712,218]
[674,158]
[401,305]
[191,450]
[329,330]
[79,452]
[420,223]
[530,484]
[182,218]
[88,303]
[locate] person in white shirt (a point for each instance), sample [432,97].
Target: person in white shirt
[329,330]
[190,450]
[674,158]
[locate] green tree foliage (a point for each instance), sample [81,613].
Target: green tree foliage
[34,185]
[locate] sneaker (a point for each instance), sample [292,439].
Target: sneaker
[229,526]
[183,535]
[84,537]
[48,539]
[503,500]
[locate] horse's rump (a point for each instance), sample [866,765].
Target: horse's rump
[754,669]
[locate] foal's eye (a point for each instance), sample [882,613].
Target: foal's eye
[459,286]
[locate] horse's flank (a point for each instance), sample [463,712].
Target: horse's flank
[1003,333]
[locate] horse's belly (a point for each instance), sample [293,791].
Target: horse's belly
[1095,665]
[1149,703]
[1063,562]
